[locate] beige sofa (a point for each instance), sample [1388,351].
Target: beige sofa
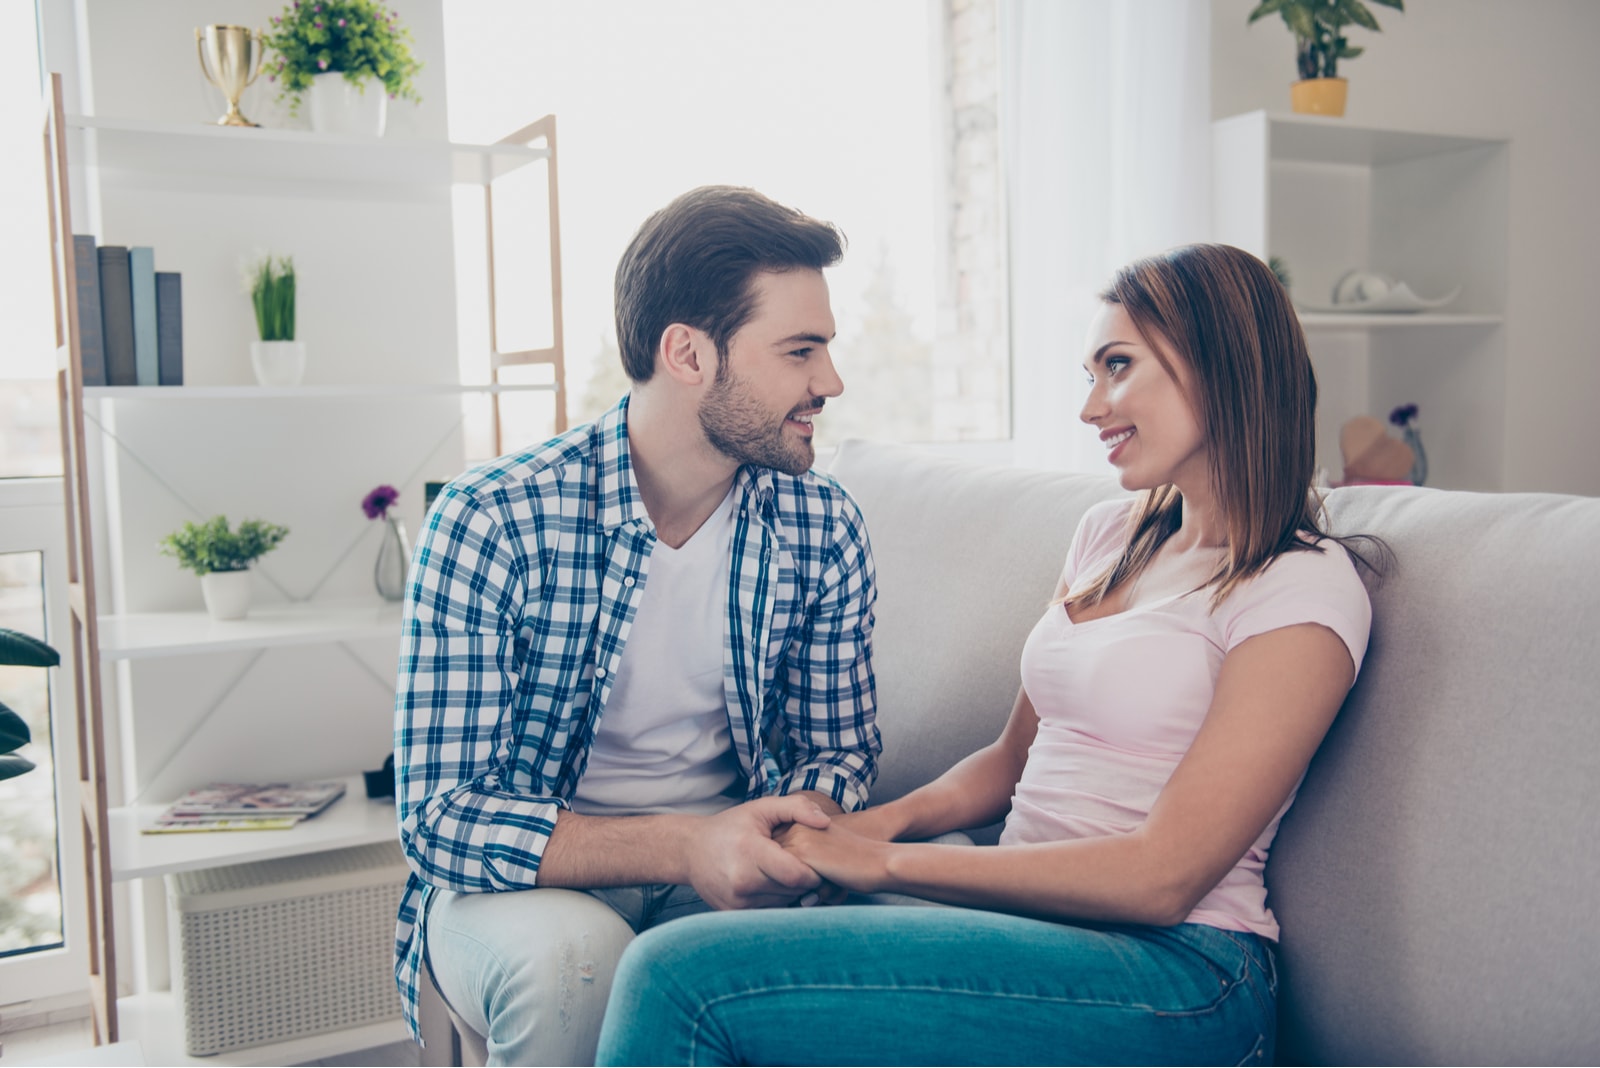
[1438,882]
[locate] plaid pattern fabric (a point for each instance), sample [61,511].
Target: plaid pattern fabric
[522,592]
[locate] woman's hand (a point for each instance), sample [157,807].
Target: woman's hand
[879,823]
[841,856]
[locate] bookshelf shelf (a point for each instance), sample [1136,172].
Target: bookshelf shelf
[1375,321]
[186,149]
[146,635]
[155,1021]
[354,391]
[353,820]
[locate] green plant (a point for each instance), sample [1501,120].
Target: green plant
[1280,269]
[357,38]
[20,650]
[1318,28]
[272,294]
[211,546]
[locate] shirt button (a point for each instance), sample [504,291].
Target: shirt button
[599,672]
[628,581]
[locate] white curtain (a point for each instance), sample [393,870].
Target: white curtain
[1106,106]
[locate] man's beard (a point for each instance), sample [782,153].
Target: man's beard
[737,427]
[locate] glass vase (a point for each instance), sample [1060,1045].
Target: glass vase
[1419,461]
[394,557]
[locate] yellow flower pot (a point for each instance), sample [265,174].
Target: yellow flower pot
[1318,96]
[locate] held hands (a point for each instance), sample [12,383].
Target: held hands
[734,862]
[846,859]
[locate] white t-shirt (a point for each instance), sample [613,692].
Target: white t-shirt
[663,743]
[1120,698]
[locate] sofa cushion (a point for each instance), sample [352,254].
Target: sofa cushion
[1438,879]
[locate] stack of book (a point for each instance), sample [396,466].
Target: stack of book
[235,806]
[130,316]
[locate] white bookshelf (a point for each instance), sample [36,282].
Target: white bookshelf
[1429,208]
[353,820]
[348,392]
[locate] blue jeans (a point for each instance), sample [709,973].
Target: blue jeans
[888,985]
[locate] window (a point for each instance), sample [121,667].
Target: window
[877,117]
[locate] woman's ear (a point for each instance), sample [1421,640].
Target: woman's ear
[685,355]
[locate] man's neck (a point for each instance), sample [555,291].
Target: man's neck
[681,477]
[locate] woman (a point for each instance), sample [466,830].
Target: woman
[1202,638]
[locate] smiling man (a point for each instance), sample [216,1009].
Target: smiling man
[634,653]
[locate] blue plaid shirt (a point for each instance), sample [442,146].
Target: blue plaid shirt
[524,585]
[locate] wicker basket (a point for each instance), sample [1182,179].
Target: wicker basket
[280,949]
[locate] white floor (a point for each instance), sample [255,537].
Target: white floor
[72,1042]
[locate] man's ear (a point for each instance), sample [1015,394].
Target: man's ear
[686,355]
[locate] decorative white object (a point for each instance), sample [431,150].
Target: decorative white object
[394,558]
[339,107]
[278,363]
[227,594]
[1368,291]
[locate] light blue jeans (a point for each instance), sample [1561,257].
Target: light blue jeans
[888,985]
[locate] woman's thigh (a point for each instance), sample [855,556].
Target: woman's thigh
[880,985]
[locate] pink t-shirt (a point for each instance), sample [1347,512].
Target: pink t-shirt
[1121,698]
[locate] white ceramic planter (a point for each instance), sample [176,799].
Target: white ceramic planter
[227,594]
[278,363]
[337,107]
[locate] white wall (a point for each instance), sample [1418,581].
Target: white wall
[1489,68]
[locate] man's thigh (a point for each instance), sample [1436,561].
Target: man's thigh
[530,970]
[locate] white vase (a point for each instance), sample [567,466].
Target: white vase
[278,363]
[227,594]
[338,107]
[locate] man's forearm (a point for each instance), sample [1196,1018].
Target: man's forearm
[593,851]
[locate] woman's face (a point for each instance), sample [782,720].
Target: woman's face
[1151,433]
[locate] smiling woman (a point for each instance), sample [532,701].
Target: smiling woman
[845,110]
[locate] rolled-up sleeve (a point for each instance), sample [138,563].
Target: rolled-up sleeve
[832,698]
[457,707]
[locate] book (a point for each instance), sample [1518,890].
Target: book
[245,806]
[116,315]
[169,327]
[142,285]
[91,343]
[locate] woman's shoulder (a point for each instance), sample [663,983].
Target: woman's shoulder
[1106,521]
[1317,584]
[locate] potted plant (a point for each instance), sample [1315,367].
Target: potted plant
[222,559]
[278,359]
[21,650]
[1318,28]
[394,551]
[334,50]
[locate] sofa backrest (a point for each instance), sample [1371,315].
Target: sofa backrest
[1438,880]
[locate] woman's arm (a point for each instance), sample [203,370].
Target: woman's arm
[1276,696]
[974,793]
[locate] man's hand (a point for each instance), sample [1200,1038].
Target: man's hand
[735,864]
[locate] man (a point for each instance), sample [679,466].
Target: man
[634,653]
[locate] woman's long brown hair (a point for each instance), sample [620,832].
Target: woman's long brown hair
[1255,396]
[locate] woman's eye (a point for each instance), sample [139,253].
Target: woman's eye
[1115,364]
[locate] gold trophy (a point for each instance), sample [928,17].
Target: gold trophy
[230,58]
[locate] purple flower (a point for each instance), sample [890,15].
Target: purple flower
[1403,415]
[377,503]
[341,24]
[322,64]
[318,25]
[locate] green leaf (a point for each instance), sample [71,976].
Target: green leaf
[25,650]
[1270,7]
[1355,11]
[1397,5]
[12,765]
[14,733]
[1346,52]
[1301,21]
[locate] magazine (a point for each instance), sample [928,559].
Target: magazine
[269,806]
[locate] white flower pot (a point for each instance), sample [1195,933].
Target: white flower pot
[337,107]
[227,594]
[278,363]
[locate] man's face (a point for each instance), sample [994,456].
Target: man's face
[776,375]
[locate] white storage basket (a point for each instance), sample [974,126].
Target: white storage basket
[283,948]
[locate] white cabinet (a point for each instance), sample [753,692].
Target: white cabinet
[1427,209]
[303,687]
